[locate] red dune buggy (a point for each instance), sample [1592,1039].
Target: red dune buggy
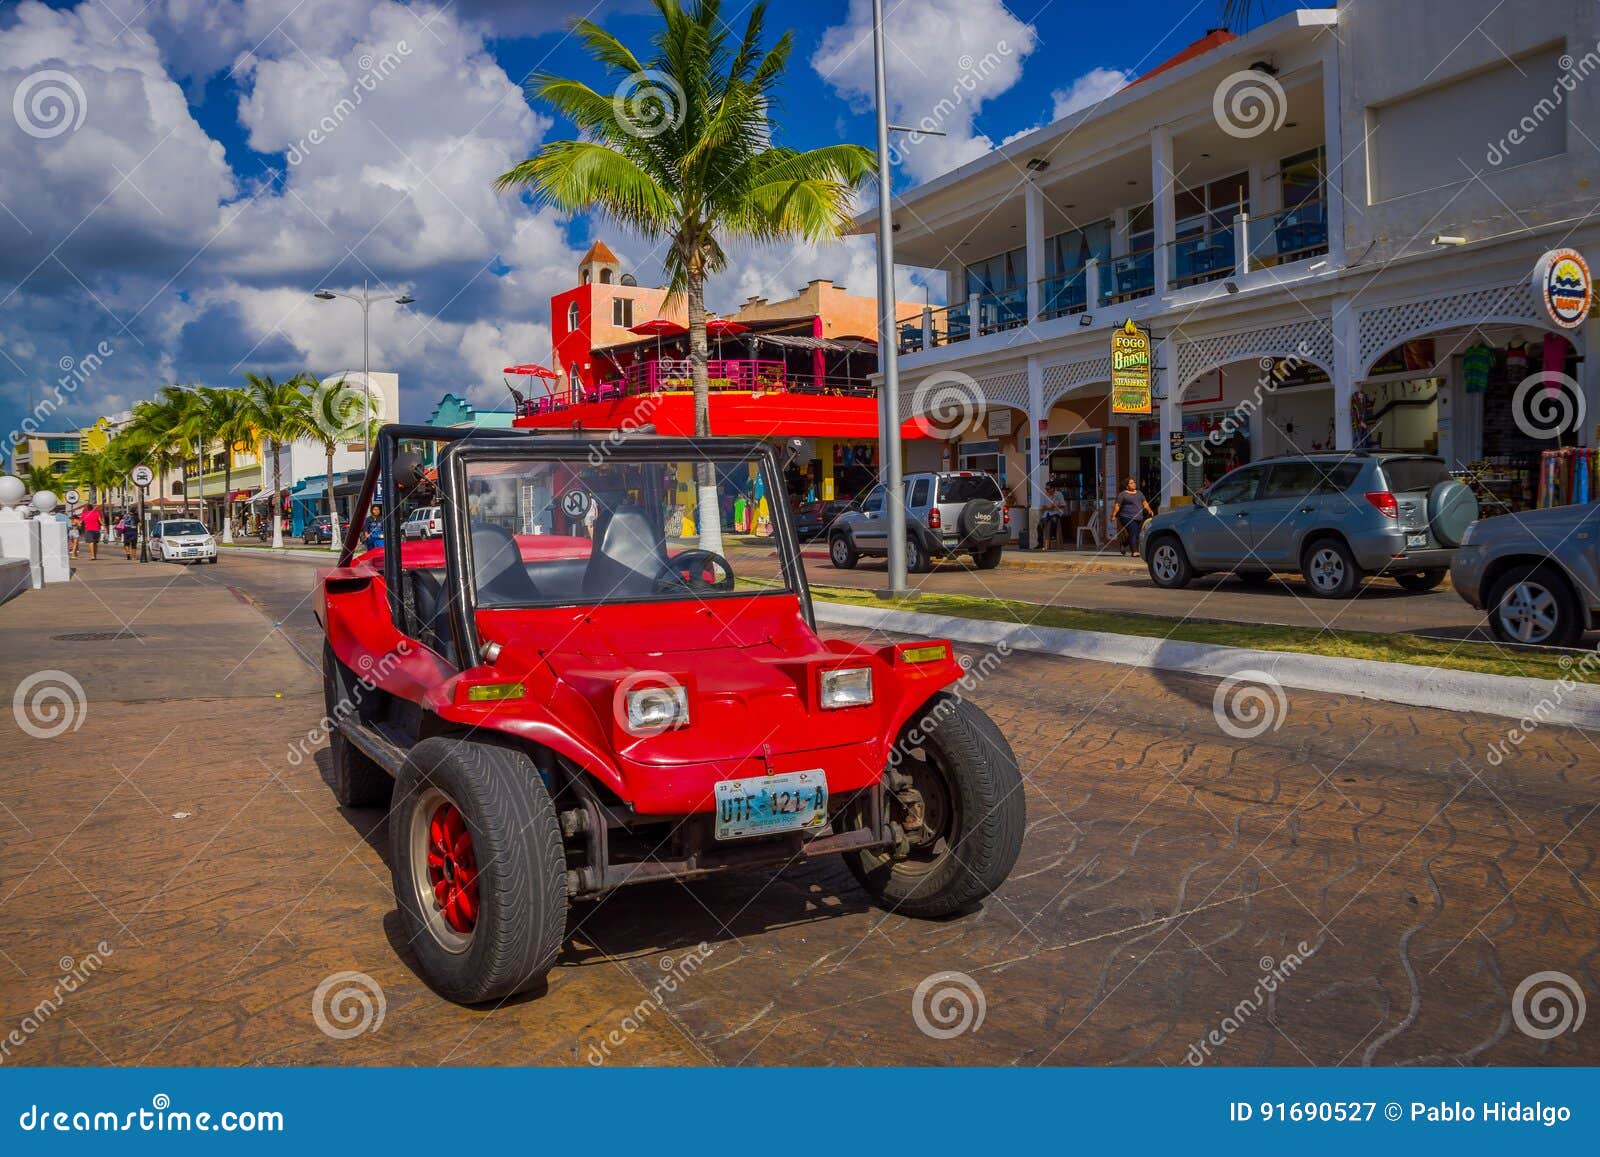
[567,693]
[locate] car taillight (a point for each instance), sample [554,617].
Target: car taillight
[934,521]
[1385,502]
[1005,515]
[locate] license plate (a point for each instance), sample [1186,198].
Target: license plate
[190,553]
[765,805]
[1416,540]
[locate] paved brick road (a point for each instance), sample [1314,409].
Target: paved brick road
[1166,866]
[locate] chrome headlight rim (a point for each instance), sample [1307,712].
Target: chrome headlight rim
[656,708]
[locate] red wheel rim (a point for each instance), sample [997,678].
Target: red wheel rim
[453,868]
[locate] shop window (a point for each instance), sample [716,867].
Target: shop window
[622,312]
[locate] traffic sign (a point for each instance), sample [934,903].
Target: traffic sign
[575,504]
[142,476]
[72,497]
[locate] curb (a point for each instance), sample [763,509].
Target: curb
[1508,696]
[323,558]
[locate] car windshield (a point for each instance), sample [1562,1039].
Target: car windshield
[594,529]
[966,487]
[185,527]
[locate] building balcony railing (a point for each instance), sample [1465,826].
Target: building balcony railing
[1202,256]
[1290,235]
[724,375]
[1128,277]
[1063,293]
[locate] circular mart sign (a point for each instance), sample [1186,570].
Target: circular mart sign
[1561,280]
[142,476]
[575,504]
[72,497]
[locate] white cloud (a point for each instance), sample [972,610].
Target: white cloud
[944,59]
[1091,88]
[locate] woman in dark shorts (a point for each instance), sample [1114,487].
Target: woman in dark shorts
[1131,509]
[130,535]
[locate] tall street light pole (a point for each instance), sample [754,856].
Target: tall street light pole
[200,466]
[365,302]
[888,349]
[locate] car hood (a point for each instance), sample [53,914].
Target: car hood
[1548,527]
[748,666]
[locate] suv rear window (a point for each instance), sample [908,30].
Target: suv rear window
[1404,474]
[966,487]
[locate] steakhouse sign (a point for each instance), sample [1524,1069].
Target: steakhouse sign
[1130,370]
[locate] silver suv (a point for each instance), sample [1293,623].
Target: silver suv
[1334,518]
[1537,574]
[947,514]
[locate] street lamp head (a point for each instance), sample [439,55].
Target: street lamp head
[323,295]
[405,299]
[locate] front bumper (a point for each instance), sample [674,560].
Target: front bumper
[689,788]
[187,553]
[1467,567]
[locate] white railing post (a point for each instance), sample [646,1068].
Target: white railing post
[1091,284]
[973,328]
[1241,244]
[927,327]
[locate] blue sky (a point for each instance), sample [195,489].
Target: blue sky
[166,198]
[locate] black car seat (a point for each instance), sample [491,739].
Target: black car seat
[497,567]
[629,557]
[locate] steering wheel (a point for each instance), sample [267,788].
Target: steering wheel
[696,570]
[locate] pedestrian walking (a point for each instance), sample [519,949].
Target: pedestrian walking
[74,533]
[130,535]
[1131,510]
[93,521]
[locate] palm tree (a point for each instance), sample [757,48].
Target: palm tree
[93,471]
[228,414]
[156,432]
[280,413]
[39,478]
[683,153]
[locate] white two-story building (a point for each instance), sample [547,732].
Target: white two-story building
[1329,228]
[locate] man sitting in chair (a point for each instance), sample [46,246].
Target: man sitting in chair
[1051,511]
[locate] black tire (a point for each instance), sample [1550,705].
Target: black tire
[917,560]
[1253,578]
[984,818]
[988,559]
[842,552]
[212,561]
[358,781]
[1330,569]
[1169,563]
[1421,580]
[1535,593]
[516,864]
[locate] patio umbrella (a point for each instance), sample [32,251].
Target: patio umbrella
[658,327]
[721,327]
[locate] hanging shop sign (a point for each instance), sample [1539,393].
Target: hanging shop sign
[1130,370]
[1561,280]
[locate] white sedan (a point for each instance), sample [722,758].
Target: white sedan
[184,540]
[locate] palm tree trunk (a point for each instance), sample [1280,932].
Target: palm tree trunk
[227,494]
[333,515]
[276,504]
[708,511]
